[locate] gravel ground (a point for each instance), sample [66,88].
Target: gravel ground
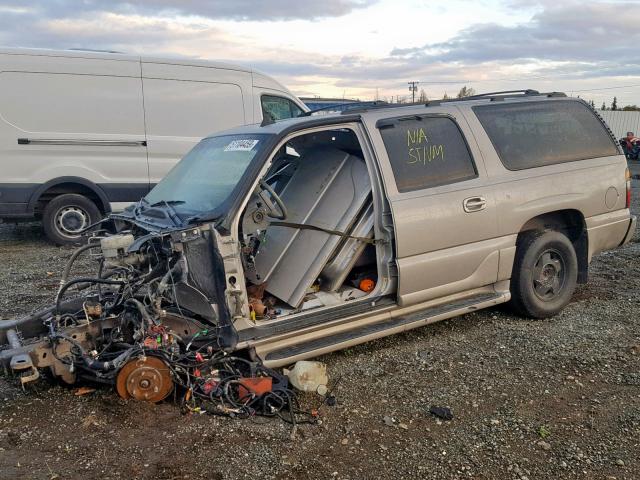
[558,398]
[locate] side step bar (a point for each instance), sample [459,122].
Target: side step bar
[314,318]
[274,357]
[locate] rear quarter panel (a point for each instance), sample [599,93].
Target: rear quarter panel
[595,187]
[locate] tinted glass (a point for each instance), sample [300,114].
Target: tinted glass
[533,134]
[279,108]
[206,176]
[426,151]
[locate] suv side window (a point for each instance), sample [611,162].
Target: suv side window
[279,108]
[534,134]
[426,151]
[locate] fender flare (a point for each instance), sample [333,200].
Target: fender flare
[104,201]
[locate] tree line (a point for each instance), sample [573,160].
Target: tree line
[614,106]
[423,98]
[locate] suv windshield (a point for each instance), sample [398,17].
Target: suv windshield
[207,175]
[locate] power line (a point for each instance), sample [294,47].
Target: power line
[544,77]
[606,88]
[413,88]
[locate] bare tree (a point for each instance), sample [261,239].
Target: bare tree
[423,96]
[466,92]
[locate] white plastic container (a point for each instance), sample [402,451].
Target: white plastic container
[309,376]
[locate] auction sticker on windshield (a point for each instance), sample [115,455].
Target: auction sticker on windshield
[241,145]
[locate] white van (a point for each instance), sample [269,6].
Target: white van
[84,133]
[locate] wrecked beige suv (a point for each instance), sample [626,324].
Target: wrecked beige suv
[283,241]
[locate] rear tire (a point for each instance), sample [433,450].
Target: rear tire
[545,274]
[66,215]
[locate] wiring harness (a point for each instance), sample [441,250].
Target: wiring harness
[128,326]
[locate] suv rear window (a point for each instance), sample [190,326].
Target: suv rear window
[534,134]
[426,152]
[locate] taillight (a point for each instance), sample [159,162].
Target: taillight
[627,176]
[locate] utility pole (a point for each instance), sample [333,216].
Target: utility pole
[413,88]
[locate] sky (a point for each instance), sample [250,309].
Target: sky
[364,49]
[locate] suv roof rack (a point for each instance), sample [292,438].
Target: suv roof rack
[491,96]
[344,107]
[527,91]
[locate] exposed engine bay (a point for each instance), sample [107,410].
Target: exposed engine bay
[151,322]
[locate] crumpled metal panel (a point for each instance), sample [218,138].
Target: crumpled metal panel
[336,270]
[328,190]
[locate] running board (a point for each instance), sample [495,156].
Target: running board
[311,319]
[388,326]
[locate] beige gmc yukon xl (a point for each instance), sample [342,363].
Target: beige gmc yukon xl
[291,239]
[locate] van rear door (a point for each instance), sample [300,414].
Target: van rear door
[444,213]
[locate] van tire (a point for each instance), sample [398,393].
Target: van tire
[545,274]
[66,214]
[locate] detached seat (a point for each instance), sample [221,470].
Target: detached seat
[329,190]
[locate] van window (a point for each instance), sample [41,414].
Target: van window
[72,104]
[426,152]
[534,134]
[180,108]
[279,108]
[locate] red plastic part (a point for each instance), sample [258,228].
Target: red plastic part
[254,385]
[367,285]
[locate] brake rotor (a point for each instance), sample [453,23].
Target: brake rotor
[146,379]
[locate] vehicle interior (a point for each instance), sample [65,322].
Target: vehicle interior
[307,233]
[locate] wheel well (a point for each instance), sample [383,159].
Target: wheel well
[572,224]
[68,187]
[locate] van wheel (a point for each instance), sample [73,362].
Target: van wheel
[545,274]
[67,215]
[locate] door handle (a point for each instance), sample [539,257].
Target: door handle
[474,204]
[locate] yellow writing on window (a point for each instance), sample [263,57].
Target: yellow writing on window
[425,154]
[416,136]
[420,150]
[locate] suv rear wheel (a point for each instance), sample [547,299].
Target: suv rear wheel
[544,275]
[65,216]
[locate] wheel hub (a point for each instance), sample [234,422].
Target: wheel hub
[146,379]
[72,220]
[549,275]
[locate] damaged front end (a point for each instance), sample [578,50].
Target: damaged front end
[156,316]
[155,308]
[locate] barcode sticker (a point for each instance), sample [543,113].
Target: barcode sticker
[241,146]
